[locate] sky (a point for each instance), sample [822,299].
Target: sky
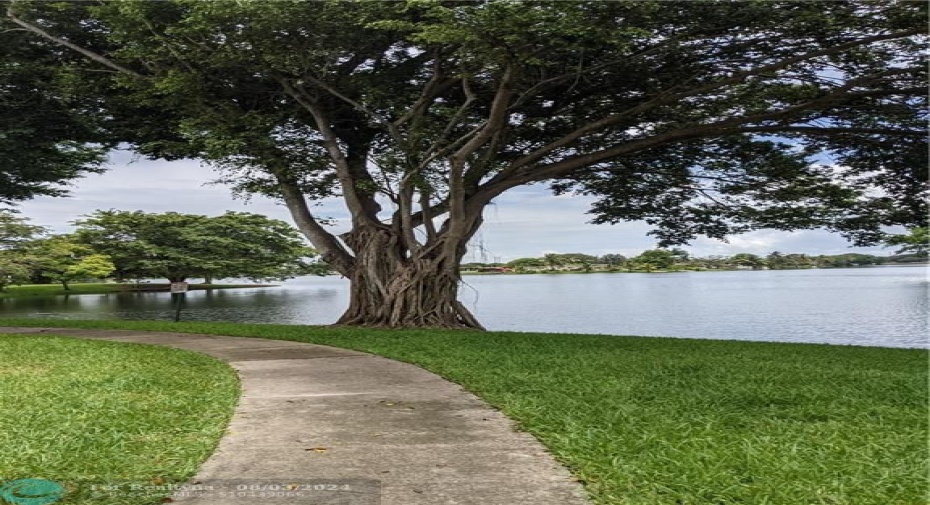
[526,222]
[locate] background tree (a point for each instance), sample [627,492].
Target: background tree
[553,260]
[578,258]
[15,231]
[613,260]
[846,260]
[714,262]
[61,259]
[13,270]
[916,241]
[701,118]
[526,263]
[753,261]
[178,246]
[679,255]
[777,261]
[656,259]
[800,260]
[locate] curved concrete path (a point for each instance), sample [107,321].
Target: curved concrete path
[321,425]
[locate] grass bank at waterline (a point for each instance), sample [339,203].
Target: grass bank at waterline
[672,421]
[27,290]
[81,412]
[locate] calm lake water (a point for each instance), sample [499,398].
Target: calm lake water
[880,306]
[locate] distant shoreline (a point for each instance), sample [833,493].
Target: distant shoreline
[615,271]
[28,290]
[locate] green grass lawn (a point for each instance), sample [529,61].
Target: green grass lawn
[79,412]
[672,421]
[27,290]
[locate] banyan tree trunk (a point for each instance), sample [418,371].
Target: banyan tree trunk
[394,288]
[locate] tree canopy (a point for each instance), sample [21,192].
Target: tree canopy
[15,230]
[178,246]
[915,241]
[700,118]
[49,130]
[60,258]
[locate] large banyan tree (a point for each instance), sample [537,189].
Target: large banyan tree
[699,117]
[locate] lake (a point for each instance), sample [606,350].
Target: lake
[878,306]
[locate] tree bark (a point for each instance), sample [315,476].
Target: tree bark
[392,288]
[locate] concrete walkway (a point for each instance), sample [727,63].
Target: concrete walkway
[321,425]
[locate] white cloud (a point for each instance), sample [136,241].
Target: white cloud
[152,186]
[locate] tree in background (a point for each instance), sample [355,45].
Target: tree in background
[846,260]
[62,259]
[750,260]
[777,261]
[655,259]
[916,241]
[12,270]
[578,261]
[700,118]
[553,260]
[679,255]
[523,264]
[799,260]
[613,260]
[178,246]
[14,232]
[578,258]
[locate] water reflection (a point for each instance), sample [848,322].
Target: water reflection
[884,306]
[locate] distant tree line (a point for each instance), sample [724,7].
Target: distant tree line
[126,246]
[130,246]
[677,260]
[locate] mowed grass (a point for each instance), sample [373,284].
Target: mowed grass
[28,290]
[82,412]
[672,421]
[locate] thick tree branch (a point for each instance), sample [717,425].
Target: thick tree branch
[434,151]
[458,220]
[427,217]
[378,118]
[99,58]
[436,84]
[497,116]
[405,210]
[357,204]
[814,130]
[429,212]
[329,247]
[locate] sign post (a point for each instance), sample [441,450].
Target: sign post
[178,290]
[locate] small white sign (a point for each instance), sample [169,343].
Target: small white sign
[179,287]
